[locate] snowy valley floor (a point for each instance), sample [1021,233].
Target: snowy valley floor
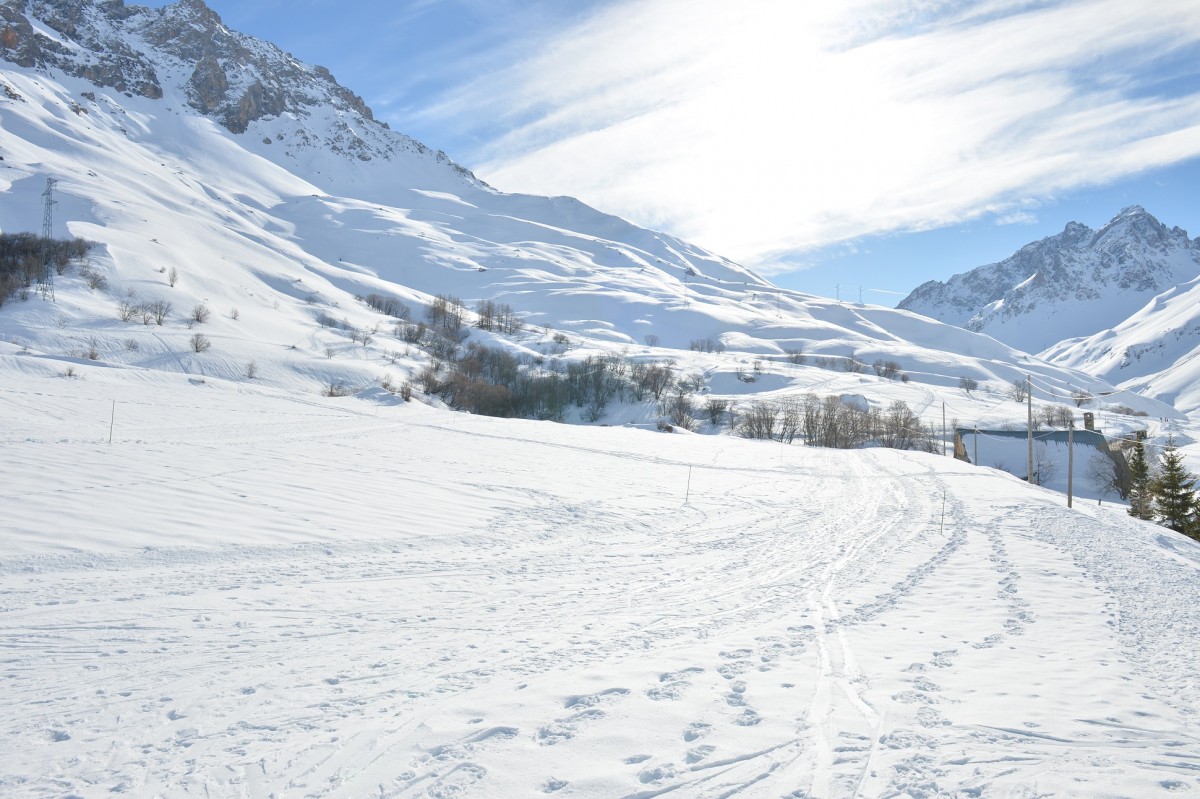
[250,594]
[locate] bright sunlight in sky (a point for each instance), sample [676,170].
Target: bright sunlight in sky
[864,142]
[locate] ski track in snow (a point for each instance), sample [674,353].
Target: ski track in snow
[506,609]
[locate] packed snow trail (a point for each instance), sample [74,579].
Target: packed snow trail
[251,595]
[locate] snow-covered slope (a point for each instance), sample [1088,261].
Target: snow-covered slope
[215,581]
[1075,284]
[254,593]
[1153,352]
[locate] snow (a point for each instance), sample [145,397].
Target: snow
[253,593]
[215,581]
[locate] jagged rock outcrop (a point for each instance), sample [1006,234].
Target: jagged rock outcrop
[1072,284]
[208,84]
[231,77]
[100,57]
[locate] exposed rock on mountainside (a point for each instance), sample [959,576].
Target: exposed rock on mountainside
[1073,284]
[233,78]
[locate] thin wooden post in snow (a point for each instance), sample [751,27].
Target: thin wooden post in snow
[1070,461]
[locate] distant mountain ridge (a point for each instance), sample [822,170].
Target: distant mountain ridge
[1076,283]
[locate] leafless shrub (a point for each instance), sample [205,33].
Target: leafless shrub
[200,314]
[411,334]
[172,277]
[886,369]
[716,409]
[199,342]
[94,278]
[706,345]
[693,382]
[758,420]
[1056,415]
[158,310]
[91,350]
[682,410]
[390,306]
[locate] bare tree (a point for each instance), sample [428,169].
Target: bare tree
[1056,415]
[758,420]
[888,369]
[682,410]
[716,408]
[199,342]
[158,311]
[1104,472]
[1044,469]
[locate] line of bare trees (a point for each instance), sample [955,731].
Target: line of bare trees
[493,382]
[831,422]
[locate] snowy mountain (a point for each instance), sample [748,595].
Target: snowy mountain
[1154,352]
[1074,284]
[221,578]
[280,219]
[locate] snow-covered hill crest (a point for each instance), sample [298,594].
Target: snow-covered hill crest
[1073,284]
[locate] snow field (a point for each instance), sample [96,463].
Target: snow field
[254,594]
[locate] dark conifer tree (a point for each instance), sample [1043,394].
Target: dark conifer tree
[1141,489]
[1175,492]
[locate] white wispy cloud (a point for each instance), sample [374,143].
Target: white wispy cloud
[761,129]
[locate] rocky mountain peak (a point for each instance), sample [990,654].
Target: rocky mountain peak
[1040,294]
[229,76]
[93,52]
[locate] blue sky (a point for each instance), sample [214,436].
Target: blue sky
[864,143]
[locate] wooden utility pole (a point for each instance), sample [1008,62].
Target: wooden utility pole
[1029,422]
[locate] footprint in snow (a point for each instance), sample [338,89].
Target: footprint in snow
[589,706]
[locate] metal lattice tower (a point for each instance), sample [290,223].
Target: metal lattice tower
[46,278]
